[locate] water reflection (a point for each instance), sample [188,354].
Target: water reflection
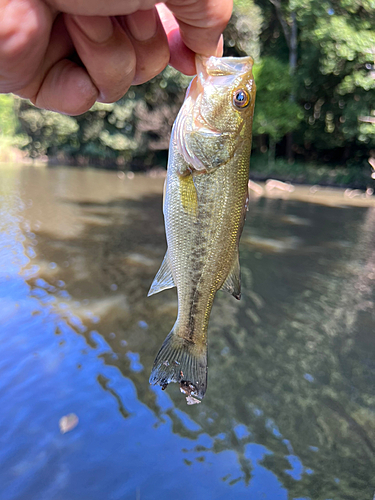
[289,411]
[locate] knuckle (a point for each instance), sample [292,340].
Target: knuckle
[22,40]
[218,19]
[203,13]
[18,36]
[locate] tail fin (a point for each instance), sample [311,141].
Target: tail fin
[179,360]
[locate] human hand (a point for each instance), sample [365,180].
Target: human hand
[64,55]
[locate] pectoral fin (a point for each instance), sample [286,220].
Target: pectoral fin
[163,278]
[188,193]
[233,282]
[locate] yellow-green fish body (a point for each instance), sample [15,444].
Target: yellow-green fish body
[205,202]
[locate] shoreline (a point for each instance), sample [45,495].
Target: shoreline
[335,196]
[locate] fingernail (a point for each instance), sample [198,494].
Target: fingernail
[220,47]
[98,29]
[142,24]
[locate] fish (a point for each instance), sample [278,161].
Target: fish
[205,203]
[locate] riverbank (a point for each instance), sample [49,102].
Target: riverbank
[321,195]
[354,177]
[153,180]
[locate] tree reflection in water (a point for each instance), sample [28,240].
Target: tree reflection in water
[291,366]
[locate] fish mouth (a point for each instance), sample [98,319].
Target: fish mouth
[225,68]
[223,71]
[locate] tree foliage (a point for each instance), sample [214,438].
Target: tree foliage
[315,75]
[134,129]
[8,120]
[334,79]
[276,114]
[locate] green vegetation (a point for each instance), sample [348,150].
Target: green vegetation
[10,140]
[8,119]
[315,75]
[132,133]
[310,173]
[277,114]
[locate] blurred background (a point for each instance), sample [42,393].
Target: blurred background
[289,412]
[315,108]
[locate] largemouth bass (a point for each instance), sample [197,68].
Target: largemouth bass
[205,203]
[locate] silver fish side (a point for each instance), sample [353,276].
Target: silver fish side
[205,203]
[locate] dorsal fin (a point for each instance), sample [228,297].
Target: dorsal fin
[233,282]
[163,278]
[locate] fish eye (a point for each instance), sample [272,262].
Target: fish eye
[241,98]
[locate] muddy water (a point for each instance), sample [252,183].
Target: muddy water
[290,407]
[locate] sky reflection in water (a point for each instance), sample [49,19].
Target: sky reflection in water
[289,411]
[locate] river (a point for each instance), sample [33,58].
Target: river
[290,408]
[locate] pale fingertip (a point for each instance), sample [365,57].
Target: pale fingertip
[67,89]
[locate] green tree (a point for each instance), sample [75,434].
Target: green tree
[8,118]
[315,78]
[241,36]
[47,131]
[275,113]
[333,73]
[133,130]
[340,39]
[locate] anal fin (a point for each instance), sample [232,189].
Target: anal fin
[233,282]
[163,278]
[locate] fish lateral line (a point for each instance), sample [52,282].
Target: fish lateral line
[204,214]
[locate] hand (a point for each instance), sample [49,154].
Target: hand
[64,55]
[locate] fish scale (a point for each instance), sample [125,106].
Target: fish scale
[205,202]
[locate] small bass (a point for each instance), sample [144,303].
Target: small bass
[205,204]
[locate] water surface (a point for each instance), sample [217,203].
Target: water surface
[290,407]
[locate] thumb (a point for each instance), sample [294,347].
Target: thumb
[201,23]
